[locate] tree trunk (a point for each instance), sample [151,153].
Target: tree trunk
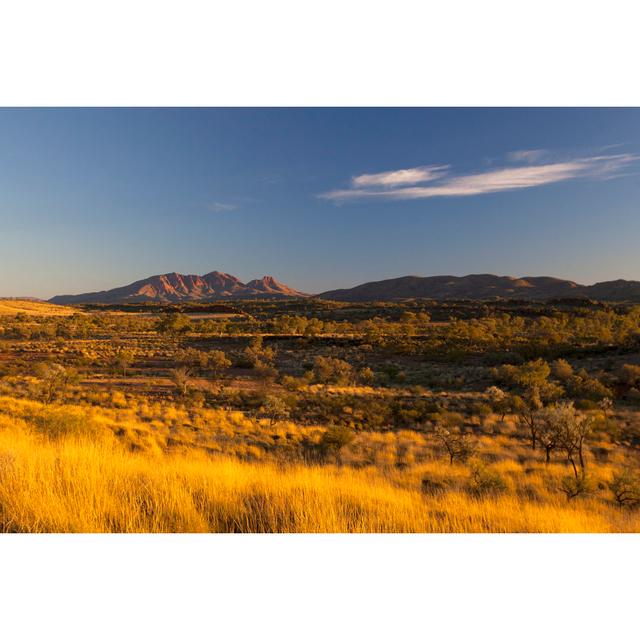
[573,464]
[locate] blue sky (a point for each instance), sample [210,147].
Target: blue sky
[320,198]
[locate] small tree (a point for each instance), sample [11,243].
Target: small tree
[276,409]
[266,373]
[256,354]
[500,401]
[458,446]
[54,378]
[194,359]
[218,362]
[528,408]
[606,405]
[123,360]
[573,429]
[181,377]
[548,429]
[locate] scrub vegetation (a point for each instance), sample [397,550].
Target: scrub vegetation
[316,416]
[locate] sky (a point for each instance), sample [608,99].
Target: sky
[92,199]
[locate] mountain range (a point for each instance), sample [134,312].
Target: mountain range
[175,287]
[485,287]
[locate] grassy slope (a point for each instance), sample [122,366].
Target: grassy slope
[72,480]
[33,308]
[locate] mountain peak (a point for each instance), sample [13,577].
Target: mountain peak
[269,285]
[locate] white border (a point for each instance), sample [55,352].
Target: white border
[334,52]
[330,586]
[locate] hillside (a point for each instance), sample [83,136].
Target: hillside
[11,307]
[176,287]
[485,286]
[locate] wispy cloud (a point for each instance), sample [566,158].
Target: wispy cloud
[221,207]
[527,156]
[416,175]
[493,181]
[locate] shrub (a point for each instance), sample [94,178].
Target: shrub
[59,423]
[332,370]
[629,375]
[333,439]
[562,370]
[574,486]
[291,383]
[433,487]
[366,376]
[485,481]
[625,486]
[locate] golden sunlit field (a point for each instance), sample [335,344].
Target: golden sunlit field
[33,308]
[60,473]
[373,419]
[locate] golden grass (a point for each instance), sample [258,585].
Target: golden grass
[33,308]
[89,482]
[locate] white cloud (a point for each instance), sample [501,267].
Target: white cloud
[415,175]
[496,180]
[221,207]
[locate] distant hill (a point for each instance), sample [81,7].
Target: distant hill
[485,287]
[176,287]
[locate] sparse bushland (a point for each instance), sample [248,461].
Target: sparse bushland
[315,416]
